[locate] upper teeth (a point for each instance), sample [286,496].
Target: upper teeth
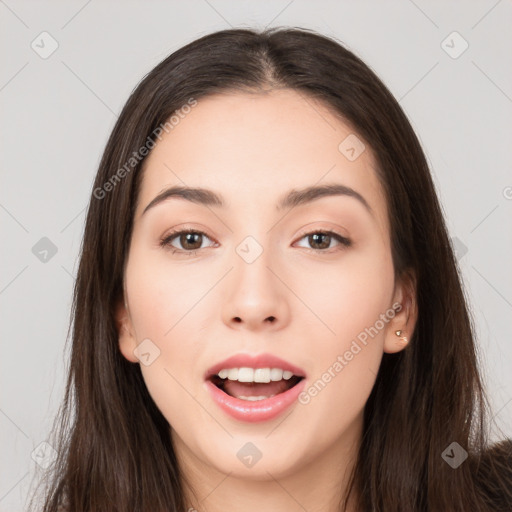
[255,374]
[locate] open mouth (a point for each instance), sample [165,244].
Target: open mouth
[253,391]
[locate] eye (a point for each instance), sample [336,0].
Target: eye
[321,240]
[190,240]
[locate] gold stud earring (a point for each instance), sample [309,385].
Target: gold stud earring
[399,334]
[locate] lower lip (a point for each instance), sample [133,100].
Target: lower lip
[256,411]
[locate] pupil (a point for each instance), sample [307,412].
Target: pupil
[315,238]
[188,237]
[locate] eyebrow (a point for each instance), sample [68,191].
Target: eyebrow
[292,199]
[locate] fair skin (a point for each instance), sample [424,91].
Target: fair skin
[201,308]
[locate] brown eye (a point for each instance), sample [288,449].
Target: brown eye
[189,241]
[322,240]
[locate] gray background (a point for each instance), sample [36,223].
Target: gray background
[57,113]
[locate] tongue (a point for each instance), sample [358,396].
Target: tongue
[235,388]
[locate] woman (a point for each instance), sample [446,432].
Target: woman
[268,312]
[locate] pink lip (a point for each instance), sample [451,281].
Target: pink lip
[258,361]
[252,412]
[260,410]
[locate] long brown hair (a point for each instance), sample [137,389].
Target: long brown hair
[425,397]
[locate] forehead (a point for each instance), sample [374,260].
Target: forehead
[252,148]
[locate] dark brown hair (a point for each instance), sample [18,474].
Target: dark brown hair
[424,398]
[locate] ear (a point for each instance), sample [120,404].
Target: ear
[126,333]
[406,314]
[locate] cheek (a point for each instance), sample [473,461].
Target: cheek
[351,300]
[161,297]
[168,307]
[348,296]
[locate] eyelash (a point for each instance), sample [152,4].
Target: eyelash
[165,242]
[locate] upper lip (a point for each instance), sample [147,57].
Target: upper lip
[254,361]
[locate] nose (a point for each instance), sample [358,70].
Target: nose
[255,297]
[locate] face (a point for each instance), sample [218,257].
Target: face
[266,271]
